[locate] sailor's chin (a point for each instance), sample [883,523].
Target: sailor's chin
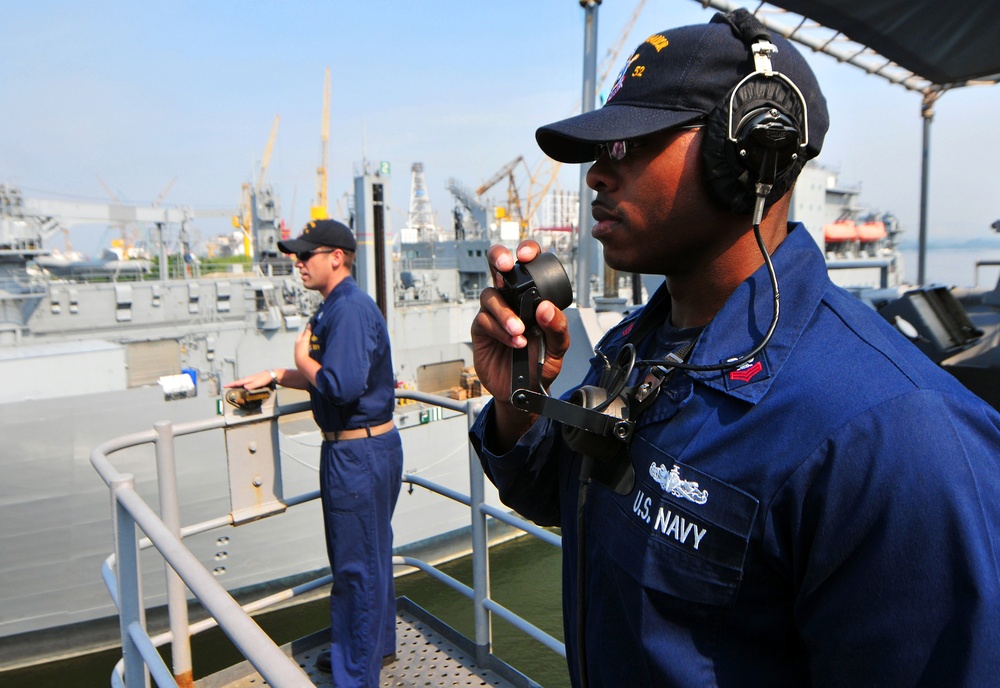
[605,228]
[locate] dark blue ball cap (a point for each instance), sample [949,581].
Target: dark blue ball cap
[319,233]
[674,78]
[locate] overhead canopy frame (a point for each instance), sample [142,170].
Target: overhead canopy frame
[927,46]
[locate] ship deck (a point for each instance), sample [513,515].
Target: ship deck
[429,653]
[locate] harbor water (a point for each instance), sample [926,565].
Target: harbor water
[953,266]
[525,578]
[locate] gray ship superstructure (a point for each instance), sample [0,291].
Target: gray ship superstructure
[87,357]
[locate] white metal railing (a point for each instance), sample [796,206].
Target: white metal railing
[883,265]
[984,263]
[130,513]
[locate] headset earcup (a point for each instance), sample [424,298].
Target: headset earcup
[730,181]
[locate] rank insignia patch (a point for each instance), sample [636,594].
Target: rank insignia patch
[752,371]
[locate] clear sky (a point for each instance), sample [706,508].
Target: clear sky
[139,93]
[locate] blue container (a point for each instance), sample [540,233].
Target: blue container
[193,374]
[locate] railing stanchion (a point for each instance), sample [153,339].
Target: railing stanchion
[131,609]
[480,552]
[166,476]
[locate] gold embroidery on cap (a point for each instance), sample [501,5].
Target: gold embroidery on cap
[658,42]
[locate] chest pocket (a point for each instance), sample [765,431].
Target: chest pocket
[680,532]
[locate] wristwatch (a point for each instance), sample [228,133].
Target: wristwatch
[274,378]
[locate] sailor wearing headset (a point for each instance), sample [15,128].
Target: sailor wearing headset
[803,500]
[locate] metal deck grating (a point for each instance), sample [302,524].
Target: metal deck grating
[428,654]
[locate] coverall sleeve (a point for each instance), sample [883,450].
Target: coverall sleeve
[528,476]
[892,530]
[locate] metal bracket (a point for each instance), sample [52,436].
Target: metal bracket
[253,455]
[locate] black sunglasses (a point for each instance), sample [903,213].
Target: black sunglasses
[617,150]
[306,255]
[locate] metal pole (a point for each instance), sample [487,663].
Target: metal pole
[164,265]
[130,609]
[480,551]
[166,476]
[276,668]
[927,112]
[585,243]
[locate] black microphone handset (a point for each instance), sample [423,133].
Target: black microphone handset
[528,284]
[597,421]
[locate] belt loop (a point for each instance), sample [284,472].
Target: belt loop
[368,429]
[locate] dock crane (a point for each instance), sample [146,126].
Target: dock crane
[512,211]
[515,210]
[319,210]
[126,233]
[610,60]
[130,231]
[249,195]
[266,160]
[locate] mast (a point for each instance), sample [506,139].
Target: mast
[421,216]
[585,243]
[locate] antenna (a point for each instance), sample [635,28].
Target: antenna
[364,147]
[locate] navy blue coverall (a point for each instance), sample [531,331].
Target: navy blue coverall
[826,515]
[359,480]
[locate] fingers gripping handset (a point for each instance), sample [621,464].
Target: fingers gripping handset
[523,289]
[498,328]
[529,283]
[596,421]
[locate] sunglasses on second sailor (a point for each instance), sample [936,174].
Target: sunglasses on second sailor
[305,256]
[617,150]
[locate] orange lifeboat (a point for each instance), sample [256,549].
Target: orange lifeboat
[871,231]
[837,232]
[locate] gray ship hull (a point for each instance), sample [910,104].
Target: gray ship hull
[87,361]
[56,515]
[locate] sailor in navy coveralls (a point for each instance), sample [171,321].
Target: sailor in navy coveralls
[343,358]
[824,513]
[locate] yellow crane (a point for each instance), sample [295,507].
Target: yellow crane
[266,160]
[611,59]
[512,210]
[535,195]
[534,198]
[319,210]
[244,220]
[515,210]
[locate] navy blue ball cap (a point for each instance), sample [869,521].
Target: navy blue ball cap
[319,233]
[678,77]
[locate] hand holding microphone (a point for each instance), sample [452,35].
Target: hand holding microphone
[498,327]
